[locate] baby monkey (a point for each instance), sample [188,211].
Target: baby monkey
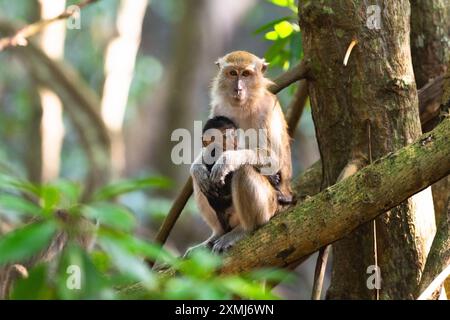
[219,197]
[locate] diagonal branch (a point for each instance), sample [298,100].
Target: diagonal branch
[21,36]
[339,209]
[308,183]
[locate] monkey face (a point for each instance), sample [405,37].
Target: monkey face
[241,76]
[216,141]
[224,139]
[239,82]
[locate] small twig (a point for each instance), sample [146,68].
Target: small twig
[21,36]
[296,107]
[374,222]
[319,274]
[435,284]
[300,71]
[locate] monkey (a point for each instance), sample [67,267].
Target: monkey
[220,198]
[240,93]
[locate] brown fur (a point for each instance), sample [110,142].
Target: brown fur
[245,99]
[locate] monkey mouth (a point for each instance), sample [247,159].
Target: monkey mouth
[238,96]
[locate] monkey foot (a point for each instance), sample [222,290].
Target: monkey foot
[226,241]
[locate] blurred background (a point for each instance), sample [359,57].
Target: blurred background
[133,72]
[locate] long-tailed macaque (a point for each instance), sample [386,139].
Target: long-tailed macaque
[220,134]
[240,94]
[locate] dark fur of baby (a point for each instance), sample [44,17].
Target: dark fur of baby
[220,198]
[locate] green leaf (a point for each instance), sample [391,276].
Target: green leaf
[271,24]
[139,247]
[11,183]
[128,264]
[92,283]
[271,35]
[286,4]
[34,287]
[284,29]
[19,205]
[50,197]
[70,192]
[247,289]
[126,186]
[275,50]
[281,3]
[201,264]
[112,215]
[23,243]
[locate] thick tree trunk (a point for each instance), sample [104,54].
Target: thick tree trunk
[430,50]
[375,89]
[430,38]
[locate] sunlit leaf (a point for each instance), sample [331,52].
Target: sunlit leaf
[25,242]
[269,26]
[126,186]
[284,29]
[281,3]
[113,215]
[286,4]
[271,35]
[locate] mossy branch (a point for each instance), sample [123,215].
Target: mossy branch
[339,209]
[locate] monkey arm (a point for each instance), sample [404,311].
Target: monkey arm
[200,176]
[231,160]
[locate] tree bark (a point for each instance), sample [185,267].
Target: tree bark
[376,88]
[430,38]
[430,49]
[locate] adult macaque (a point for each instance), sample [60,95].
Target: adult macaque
[240,94]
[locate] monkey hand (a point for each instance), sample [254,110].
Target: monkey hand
[200,175]
[227,162]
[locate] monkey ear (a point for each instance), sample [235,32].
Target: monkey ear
[264,65]
[219,62]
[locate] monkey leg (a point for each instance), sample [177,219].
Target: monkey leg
[254,198]
[255,202]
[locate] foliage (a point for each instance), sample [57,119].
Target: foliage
[285,34]
[116,261]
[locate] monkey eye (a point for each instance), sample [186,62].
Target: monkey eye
[233,73]
[245,73]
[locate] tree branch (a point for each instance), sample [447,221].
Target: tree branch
[21,36]
[308,184]
[339,209]
[300,71]
[438,259]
